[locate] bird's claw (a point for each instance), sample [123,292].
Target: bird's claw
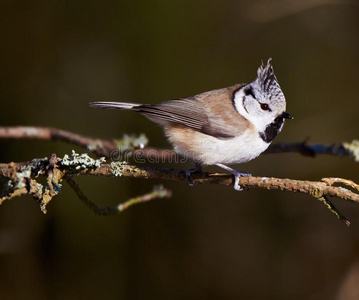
[237,175]
[189,181]
[189,172]
[236,185]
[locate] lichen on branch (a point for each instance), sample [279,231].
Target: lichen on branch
[22,177]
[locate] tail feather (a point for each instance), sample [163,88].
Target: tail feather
[114,105]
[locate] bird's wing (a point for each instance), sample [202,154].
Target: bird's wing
[217,117]
[186,112]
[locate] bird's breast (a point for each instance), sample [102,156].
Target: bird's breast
[210,150]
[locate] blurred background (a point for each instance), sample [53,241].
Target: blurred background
[206,242]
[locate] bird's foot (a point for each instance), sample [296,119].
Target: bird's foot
[236,174]
[189,172]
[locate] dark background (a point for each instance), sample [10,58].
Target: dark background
[206,242]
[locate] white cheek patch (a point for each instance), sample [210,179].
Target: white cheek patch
[238,103]
[239,99]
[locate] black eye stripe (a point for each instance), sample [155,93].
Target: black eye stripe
[249,92]
[245,108]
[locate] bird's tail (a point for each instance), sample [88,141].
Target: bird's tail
[114,105]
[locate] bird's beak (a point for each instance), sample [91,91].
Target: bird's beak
[285,115]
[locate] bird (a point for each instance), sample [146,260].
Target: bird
[231,125]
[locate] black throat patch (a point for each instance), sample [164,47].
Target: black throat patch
[272,130]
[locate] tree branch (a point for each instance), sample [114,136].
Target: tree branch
[21,178]
[110,148]
[158,192]
[99,146]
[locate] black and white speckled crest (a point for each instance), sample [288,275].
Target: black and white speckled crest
[266,78]
[268,83]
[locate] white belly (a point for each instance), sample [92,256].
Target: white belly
[210,150]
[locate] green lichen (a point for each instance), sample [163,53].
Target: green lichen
[95,146]
[117,168]
[133,169]
[81,161]
[35,167]
[132,142]
[316,193]
[353,147]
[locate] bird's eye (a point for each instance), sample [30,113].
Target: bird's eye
[264,106]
